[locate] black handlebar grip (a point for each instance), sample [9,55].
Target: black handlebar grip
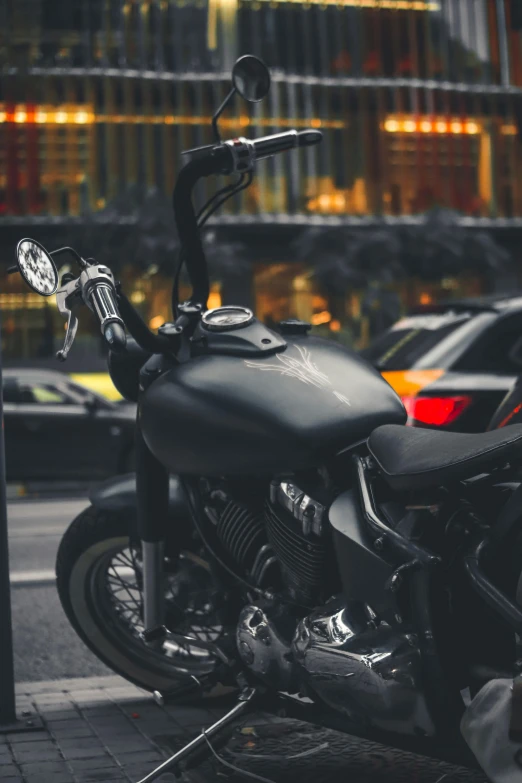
[267,146]
[309,137]
[115,336]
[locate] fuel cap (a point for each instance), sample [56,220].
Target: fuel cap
[225,319]
[294,326]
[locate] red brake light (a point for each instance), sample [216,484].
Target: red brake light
[435,411]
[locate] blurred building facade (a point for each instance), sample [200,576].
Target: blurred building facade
[420,102]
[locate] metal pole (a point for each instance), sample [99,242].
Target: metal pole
[7,690]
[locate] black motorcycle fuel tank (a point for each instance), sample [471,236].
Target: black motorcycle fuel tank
[220,414]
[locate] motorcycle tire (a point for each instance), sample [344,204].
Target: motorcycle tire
[86,546]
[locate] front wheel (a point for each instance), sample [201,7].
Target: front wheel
[98,574]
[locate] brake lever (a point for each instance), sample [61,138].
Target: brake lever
[65,301]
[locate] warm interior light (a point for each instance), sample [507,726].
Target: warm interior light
[40,116]
[323,317]
[425,299]
[60,117]
[389,5]
[392,126]
[324,201]
[81,117]
[335,326]
[156,322]
[435,411]
[20,116]
[395,124]
[137,297]
[214,300]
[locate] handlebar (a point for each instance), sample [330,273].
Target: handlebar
[96,286]
[115,336]
[103,299]
[280,142]
[235,156]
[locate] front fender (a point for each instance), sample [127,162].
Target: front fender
[119,494]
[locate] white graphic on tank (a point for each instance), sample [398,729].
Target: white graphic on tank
[302,369]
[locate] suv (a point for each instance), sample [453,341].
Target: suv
[452,364]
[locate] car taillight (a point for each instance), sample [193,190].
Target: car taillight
[435,411]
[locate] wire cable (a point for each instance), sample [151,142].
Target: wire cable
[245,181]
[206,211]
[233,767]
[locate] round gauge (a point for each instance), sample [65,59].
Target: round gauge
[224,319]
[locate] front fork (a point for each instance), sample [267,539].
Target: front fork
[152,487]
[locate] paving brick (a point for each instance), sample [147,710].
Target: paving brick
[44,767]
[78,732]
[75,720]
[25,754]
[100,777]
[100,762]
[80,742]
[109,723]
[52,777]
[26,737]
[53,698]
[191,715]
[89,696]
[129,760]
[122,694]
[99,711]
[164,728]
[121,745]
[84,753]
[54,715]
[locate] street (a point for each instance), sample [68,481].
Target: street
[45,645]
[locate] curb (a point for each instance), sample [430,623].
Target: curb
[48,490]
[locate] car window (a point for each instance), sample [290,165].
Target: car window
[494,352]
[11,392]
[42,393]
[402,346]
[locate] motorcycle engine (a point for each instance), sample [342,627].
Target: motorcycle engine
[278,543]
[304,640]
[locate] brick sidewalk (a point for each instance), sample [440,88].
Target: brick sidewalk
[104,729]
[96,729]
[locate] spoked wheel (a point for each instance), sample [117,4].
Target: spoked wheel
[99,583]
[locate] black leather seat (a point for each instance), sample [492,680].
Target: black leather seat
[412,458]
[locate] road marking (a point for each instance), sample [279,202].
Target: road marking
[38,532]
[45,508]
[29,578]
[47,577]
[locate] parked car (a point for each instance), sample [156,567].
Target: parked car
[58,429]
[453,363]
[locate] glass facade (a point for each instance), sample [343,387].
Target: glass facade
[420,103]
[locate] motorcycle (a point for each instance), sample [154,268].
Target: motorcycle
[286,537]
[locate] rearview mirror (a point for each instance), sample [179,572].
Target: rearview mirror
[37,267]
[251,78]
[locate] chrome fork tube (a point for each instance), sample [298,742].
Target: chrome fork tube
[152,488]
[153,583]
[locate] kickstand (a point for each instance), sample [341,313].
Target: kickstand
[243,705]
